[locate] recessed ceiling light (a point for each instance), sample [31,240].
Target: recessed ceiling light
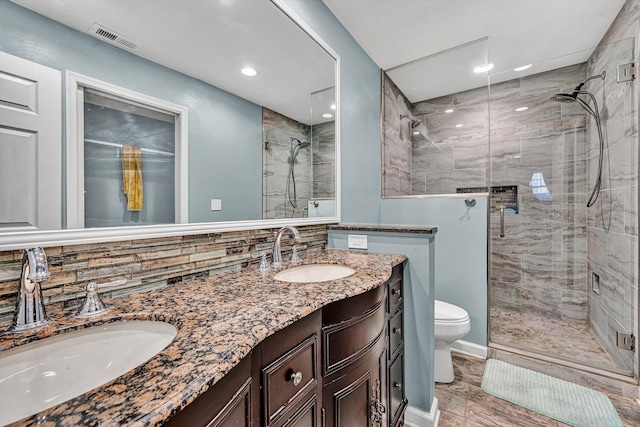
[524,67]
[483,68]
[327,115]
[459,125]
[416,133]
[333,106]
[249,72]
[522,108]
[450,110]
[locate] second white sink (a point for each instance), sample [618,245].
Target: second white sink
[314,273]
[47,372]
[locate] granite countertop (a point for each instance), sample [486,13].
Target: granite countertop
[219,320]
[416,229]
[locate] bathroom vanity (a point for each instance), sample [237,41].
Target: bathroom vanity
[251,350]
[342,365]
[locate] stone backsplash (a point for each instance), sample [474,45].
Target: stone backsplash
[145,264]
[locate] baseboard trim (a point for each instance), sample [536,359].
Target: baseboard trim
[414,417]
[470,349]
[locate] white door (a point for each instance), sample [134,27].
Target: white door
[30,145]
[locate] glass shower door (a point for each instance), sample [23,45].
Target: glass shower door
[563,276]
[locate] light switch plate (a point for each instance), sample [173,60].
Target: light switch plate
[357,241]
[216,204]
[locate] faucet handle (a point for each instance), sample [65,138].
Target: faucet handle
[93,305]
[38,268]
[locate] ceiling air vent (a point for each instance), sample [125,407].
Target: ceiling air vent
[112,37]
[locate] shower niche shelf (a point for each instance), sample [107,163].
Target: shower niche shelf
[504,195]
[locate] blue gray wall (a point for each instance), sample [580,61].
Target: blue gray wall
[461,255]
[224,130]
[418,305]
[359,114]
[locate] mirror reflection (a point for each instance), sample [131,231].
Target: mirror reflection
[167,128]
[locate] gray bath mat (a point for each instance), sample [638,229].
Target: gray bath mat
[561,400]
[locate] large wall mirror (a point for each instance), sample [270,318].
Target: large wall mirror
[174,117]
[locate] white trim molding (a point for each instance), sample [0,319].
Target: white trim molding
[415,417]
[469,348]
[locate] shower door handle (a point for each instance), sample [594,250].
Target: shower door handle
[501,221]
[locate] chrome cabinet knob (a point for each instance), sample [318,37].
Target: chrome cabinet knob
[397,330]
[296,378]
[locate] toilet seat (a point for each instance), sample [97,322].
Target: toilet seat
[449,313]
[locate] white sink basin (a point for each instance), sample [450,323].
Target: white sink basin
[45,373]
[314,273]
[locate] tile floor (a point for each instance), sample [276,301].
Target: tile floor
[548,336]
[463,404]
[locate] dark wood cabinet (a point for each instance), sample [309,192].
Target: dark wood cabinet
[228,403]
[395,394]
[341,366]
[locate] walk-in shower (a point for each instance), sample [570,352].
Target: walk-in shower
[595,113]
[562,284]
[291,196]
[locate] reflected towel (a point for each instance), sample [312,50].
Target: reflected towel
[132,176]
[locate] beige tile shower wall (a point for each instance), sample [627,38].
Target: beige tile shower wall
[613,221]
[277,131]
[324,160]
[396,141]
[539,265]
[145,264]
[444,156]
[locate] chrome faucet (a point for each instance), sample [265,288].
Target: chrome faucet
[277,253]
[30,312]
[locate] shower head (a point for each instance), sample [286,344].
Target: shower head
[303,144]
[413,122]
[573,96]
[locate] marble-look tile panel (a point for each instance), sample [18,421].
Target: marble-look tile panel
[623,254]
[397,150]
[631,210]
[574,306]
[471,154]
[626,23]
[505,267]
[462,178]
[561,80]
[502,295]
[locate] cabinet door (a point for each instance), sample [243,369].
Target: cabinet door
[348,401]
[226,404]
[397,400]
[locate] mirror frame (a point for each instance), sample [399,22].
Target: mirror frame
[47,238]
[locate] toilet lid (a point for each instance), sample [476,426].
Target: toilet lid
[449,312]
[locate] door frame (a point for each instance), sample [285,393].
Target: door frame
[75,85]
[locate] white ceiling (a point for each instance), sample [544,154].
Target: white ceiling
[547,33]
[211,41]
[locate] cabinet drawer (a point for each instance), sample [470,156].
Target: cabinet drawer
[288,379]
[396,328]
[346,342]
[397,402]
[395,295]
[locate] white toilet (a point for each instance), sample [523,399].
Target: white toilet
[451,323]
